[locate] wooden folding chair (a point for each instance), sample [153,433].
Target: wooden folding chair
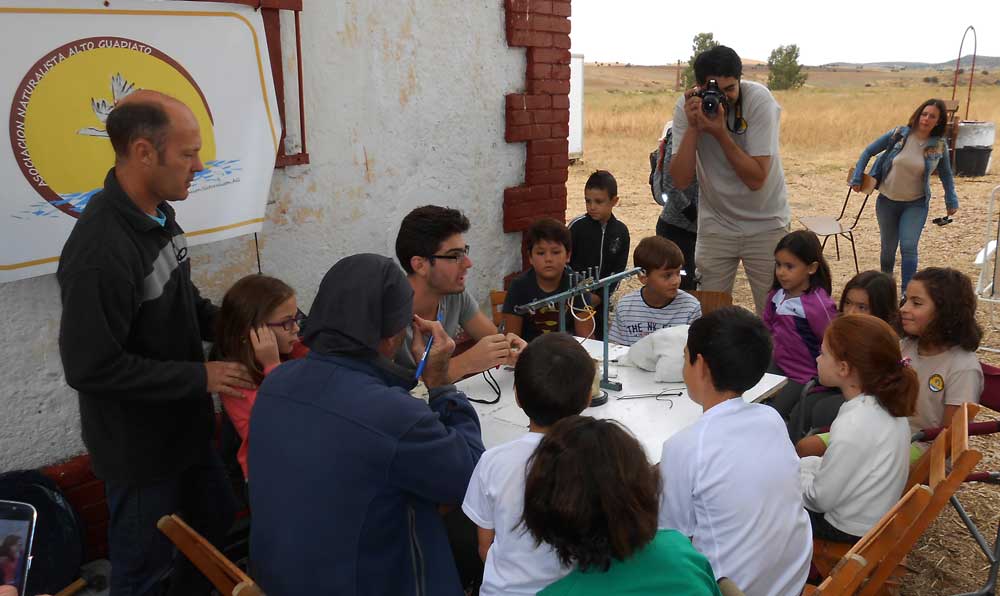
[497,298]
[863,558]
[930,470]
[227,578]
[712,300]
[943,483]
[826,226]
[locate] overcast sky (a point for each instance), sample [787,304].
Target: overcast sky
[660,31]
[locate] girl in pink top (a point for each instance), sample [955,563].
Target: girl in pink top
[258,326]
[798,310]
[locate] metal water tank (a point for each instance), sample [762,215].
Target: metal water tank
[973,147]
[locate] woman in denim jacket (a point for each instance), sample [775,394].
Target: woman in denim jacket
[909,155]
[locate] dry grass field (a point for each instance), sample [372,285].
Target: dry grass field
[823,129]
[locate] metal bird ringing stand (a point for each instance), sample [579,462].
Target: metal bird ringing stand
[583,284]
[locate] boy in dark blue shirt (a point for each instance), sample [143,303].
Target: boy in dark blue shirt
[549,251]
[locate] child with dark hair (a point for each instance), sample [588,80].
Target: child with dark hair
[592,498]
[940,337]
[552,380]
[849,490]
[731,479]
[871,293]
[549,250]
[797,312]
[599,239]
[257,326]
[660,302]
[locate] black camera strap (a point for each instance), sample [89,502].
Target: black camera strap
[739,123]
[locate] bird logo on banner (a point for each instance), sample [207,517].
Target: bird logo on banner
[120,89]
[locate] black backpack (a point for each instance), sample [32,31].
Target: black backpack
[58,549]
[660,182]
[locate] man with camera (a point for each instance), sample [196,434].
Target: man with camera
[726,136]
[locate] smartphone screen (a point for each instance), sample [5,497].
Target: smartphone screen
[17,529]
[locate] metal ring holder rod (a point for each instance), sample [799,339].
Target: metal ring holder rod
[584,288]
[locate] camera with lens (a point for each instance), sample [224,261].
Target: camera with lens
[711,96]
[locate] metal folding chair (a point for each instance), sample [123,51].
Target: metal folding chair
[826,226]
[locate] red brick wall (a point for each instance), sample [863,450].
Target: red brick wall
[540,115]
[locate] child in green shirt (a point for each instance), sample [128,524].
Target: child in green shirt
[581,465]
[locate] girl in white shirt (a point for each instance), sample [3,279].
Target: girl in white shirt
[864,469]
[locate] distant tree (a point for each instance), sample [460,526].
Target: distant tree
[786,73]
[700,43]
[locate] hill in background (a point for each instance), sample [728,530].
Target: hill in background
[982,63]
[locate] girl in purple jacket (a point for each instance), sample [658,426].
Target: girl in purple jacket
[798,310]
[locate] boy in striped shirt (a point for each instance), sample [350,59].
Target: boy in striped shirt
[660,302]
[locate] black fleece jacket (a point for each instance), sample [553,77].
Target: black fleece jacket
[131,340]
[595,245]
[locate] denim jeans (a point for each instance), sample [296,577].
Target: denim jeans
[900,223]
[142,556]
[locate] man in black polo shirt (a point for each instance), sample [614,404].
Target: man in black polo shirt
[131,345]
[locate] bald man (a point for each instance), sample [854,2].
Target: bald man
[131,345]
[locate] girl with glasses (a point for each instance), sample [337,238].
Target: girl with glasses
[257,326]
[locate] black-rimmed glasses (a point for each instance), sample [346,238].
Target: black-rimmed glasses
[456,254]
[290,323]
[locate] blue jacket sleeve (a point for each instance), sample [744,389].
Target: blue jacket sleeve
[878,146]
[436,457]
[947,180]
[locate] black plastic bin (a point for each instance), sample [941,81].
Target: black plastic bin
[972,161]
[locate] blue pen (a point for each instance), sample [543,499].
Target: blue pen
[427,350]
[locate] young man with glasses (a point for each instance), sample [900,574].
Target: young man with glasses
[432,250]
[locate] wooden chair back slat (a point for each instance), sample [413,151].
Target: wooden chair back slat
[939,456]
[867,182]
[959,440]
[848,572]
[227,578]
[497,298]
[712,300]
[865,557]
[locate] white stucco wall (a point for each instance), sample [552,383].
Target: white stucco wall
[404,107]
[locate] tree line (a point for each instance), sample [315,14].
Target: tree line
[783,64]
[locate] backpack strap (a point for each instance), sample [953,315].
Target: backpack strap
[897,134]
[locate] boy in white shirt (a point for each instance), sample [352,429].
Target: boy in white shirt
[660,302]
[731,479]
[552,380]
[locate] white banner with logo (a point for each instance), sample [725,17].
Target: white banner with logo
[65,65]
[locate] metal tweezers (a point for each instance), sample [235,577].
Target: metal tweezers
[664,395]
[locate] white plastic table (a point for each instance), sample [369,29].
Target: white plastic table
[651,420]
